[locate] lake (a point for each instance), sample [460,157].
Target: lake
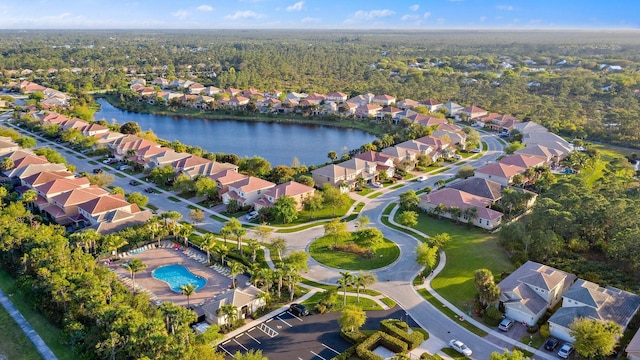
[277,142]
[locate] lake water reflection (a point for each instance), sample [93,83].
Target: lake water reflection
[278,143]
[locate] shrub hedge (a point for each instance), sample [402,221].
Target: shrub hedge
[354,337]
[364,350]
[400,329]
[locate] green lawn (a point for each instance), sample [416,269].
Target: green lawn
[174,199]
[51,334]
[365,304]
[365,191]
[13,343]
[300,228]
[470,249]
[358,207]
[385,255]
[326,213]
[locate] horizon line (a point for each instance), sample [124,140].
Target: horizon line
[333,29]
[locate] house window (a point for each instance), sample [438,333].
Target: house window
[487,222]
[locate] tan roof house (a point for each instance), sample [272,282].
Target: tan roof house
[334,175]
[523,160]
[532,289]
[297,191]
[499,172]
[383,162]
[367,110]
[245,300]
[336,97]
[246,191]
[166,157]
[407,104]
[44,177]
[432,105]
[384,100]
[450,198]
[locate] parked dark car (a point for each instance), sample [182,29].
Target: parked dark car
[298,310]
[149,190]
[551,344]
[97,171]
[134,183]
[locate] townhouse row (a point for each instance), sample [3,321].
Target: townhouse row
[247,190]
[64,198]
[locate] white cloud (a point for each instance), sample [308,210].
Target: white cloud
[414,7]
[504,7]
[205,8]
[426,15]
[180,14]
[247,14]
[296,7]
[361,15]
[409,17]
[310,20]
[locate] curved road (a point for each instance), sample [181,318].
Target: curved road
[394,280]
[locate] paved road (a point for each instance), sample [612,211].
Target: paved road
[394,280]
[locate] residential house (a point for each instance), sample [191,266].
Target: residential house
[383,162]
[403,154]
[295,96]
[232,92]
[211,90]
[367,111]
[363,168]
[334,174]
[532,289]
[407,104]
[31,169]
[549,140]
[337,97]
[474,112]
[246,191]
[44,177]
[94,129]
[238,101]
[112,208]
[551,156]
[161,82]
[295,190]
[58,186]
[585,299]
[166,157]
[226,177]
[196,88]
[7,145]
[390,112]
[64,206]
[362,99]
[426,120]
[194,166]
[529,127]
[523,160]
[633,348]
[499,172]
[450,198]
[485,188]
[245,300]
[456,136]
[453,109]
[384,100]
[432,105]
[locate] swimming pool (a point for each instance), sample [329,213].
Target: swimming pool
[177,275]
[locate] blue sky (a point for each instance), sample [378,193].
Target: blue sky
[319,14]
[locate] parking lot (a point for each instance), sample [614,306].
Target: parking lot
[289,337]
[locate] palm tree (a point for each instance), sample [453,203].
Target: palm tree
[230,313]
[134,266]
[222,250]
[208,244]
[236,268]
[265,296]
[362,281]
[188,290]
[254,246]
[293,276]
[184,231]
[345,281]
[114,242]
[279,245]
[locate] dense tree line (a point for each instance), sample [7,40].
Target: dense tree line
[578,99]
[100,318]
[586,227]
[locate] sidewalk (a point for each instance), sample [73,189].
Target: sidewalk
[37,341]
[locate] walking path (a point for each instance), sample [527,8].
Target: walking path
[37,341]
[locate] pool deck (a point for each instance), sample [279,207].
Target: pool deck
[154,258]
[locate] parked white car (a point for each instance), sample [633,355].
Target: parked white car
[422,178]
[460,347]
[376,184]
[252,215]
